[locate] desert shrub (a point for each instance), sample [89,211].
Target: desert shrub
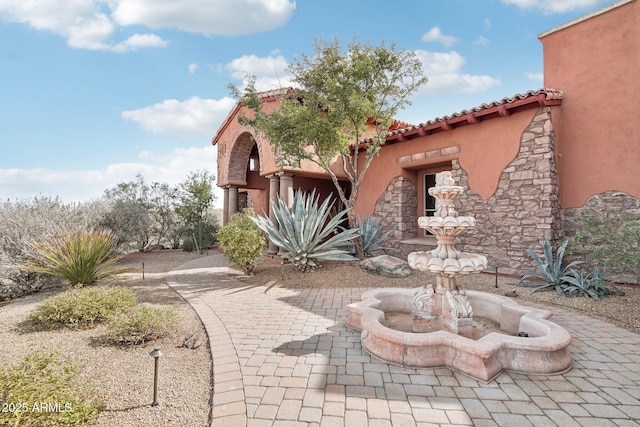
[187,245]
[81,307]
[141,324]
[39,218]
[242,241]
[131,224]
[306,232]
[51,380]
[77,257]
[612,245]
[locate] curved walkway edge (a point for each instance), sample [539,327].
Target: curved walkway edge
[227,393]
[284,357]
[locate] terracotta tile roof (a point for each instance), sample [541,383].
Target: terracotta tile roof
[268,95]
[503,107]
[401,131]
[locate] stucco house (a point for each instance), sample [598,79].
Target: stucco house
[530,162]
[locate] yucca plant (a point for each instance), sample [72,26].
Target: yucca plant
[306,232]
[550,272]
[80,258]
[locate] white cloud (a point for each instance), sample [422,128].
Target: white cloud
[80,186]
[487,23]
[444,72]
[193,68]
[537,77]
[193,117]
[212,17]
[554,6]
[138,41]
[82,22]
[482,41]
[270,71]
[436,35]
[92,24]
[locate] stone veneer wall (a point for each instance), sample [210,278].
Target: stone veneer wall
[612,205]
[525,207]
[397,209]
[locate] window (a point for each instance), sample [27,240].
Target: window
[430,202]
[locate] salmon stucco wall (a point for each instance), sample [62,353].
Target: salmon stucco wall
[520,213]
[234,142]
[483,150]
[596,62]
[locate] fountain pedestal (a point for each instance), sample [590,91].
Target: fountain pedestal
[446,307]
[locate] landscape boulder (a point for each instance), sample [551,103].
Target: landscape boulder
[387,266]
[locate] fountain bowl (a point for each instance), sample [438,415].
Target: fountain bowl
[544,351]
[465,263]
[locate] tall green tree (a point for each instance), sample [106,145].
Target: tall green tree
[195,197]
[343,105]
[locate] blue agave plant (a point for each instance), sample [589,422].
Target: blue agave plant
[306,232]
[550,272]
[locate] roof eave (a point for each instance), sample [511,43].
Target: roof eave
[505,107]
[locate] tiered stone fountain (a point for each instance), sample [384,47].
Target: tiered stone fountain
[438,327]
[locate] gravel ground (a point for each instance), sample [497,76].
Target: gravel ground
[123,376]
[623,311]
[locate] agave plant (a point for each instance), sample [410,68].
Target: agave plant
[550,272]
[591,285]
[371,233]
[306,232]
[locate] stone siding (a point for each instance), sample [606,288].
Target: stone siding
[524,208]
[397,210]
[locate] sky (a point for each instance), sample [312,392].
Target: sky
[94,92]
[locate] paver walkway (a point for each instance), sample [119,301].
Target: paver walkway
[283,357]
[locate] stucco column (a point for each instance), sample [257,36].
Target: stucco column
[274,188]
[286,184]
[233,201]
[225,205]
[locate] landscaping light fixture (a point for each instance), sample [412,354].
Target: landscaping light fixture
[496,266]
[156,353]
[143,271]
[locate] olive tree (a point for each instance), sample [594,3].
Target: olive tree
[343,105]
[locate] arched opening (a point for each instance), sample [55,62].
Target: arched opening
[256,190]
[239,158]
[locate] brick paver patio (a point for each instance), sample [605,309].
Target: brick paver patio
[283,357]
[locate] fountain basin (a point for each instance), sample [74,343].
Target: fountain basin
[545,351]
